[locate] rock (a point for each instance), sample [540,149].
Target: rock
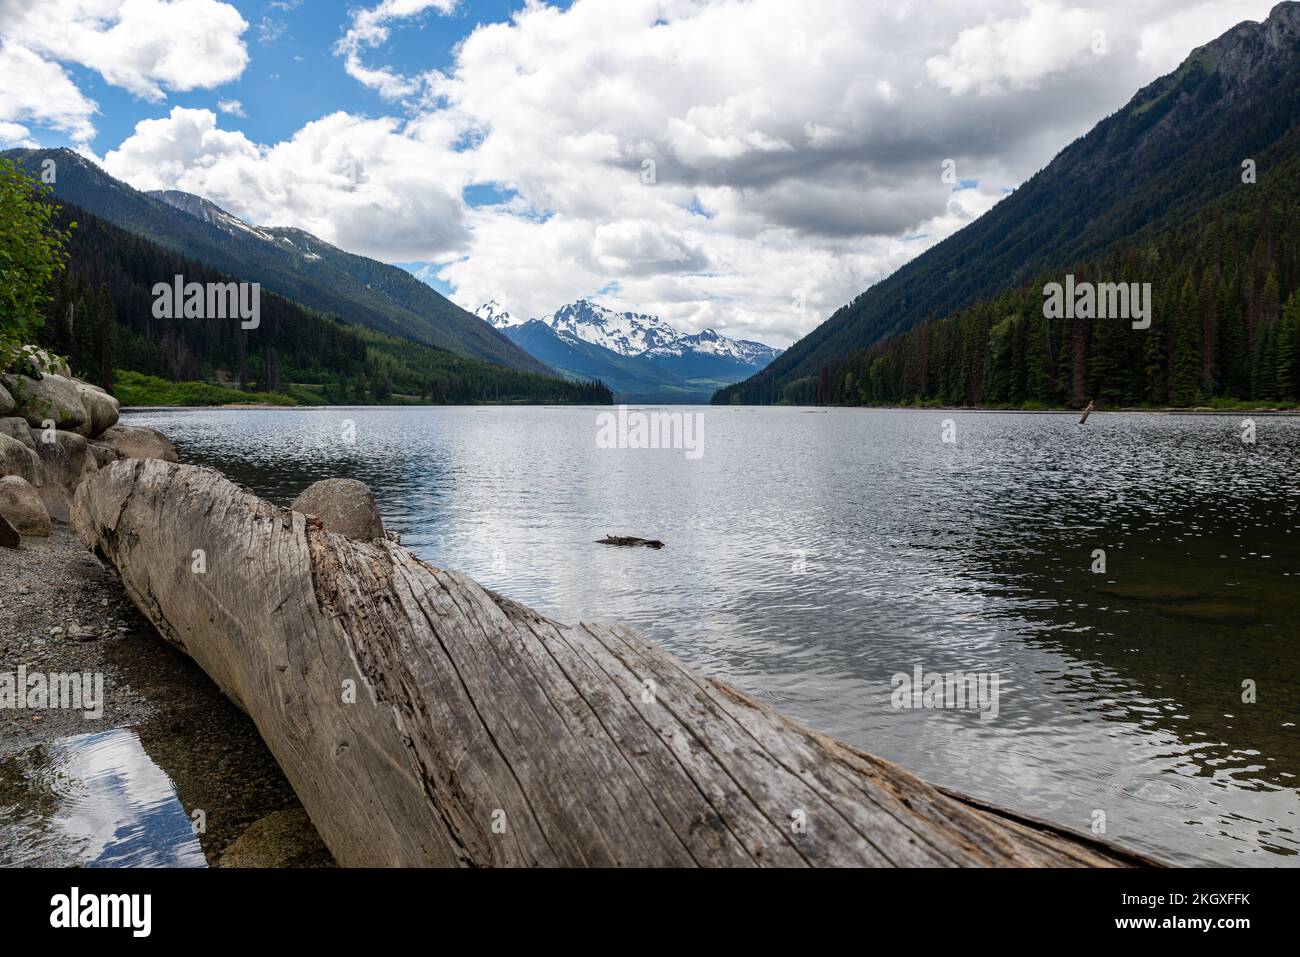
[77,633]
[67,459]
[6,401]
[17,428]
[104,454]
[283,839]
[9,537]
[139,442]
[102,410]
[17,459]
[35,362]
[344,506]
[57,502]
[21,505]
[53,397]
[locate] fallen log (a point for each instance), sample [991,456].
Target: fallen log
[483,734]
[629,541]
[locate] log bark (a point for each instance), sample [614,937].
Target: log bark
[484,734]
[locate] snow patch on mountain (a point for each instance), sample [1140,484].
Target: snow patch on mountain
[496,316]
[207,211]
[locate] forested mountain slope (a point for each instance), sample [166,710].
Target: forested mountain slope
[1174,150]
[290,262]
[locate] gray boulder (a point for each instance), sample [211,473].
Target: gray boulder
[6,401]
[104,454]
[22,507]
[283,839]
[57,502]
[139,442]
[344,506]
[36,362]
[17,459]
[52,397]
[67,460]
[102,410]
[17,428]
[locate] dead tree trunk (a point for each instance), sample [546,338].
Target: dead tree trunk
[481,733]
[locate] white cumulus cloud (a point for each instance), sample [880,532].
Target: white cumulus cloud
[144,46]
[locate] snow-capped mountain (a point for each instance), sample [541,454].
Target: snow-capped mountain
[641,357]
[497,317]
[627,333]
[710,342]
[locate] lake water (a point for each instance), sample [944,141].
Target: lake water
[812,555]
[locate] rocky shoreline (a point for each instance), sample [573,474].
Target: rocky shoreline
[62,612]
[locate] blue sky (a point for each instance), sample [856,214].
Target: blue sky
[799,151]
[292,76]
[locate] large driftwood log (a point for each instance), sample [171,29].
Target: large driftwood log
[483,734]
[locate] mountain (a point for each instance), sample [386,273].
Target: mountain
[627,333]
[640,357]
[495,316]
[1175,149]
[290,262]
[101,317]
[630,378]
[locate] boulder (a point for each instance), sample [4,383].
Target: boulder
[35,362]
[283,839]
[9,537]
[52,397]
[22,507]
[17,459]
[344,506]
[67,460]
[101,409]
[105,455]
[139,442]
[6,401]
[17,428]
[57,502]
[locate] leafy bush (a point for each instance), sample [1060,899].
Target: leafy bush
[31,252]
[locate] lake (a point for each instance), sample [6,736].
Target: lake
[1133,584]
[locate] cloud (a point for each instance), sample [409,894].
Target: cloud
[15,134]
[797,149]
[34,90]
[231,107]
[370,28]
[1017,53]
[361,184]
[143,46]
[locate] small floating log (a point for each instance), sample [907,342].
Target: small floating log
[628,541]
[1087,412]
[424,720]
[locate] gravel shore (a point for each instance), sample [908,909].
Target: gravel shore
[62,611]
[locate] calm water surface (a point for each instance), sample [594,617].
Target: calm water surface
[811,555]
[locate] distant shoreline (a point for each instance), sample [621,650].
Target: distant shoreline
[1171,410]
